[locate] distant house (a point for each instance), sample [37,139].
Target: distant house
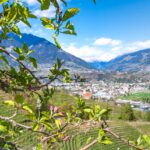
[87,95]
[103,95]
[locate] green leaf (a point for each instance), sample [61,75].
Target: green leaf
[52,140]
[106,141]
[88,140]
[21,57]
[19,98]
[71,32]
[101,132]
[139,140]
[47,23]
[69,115]
[3,128]
[32,16]
[28,108]
[12,13]
[58,124]
[64,2]
[97,108]
[69,26]
[4,59]
[44,4]
[30,52]
[146,139]
[25,21]
[35,126]
[70,13]
[103,111]
[25,48]
[55,3]
[56,42]
[10,103]
[88,110]
[3,1]
[48,126]
[80,102]
[39,147]
[59,63]
[16,30]
[18,50]
[33,61]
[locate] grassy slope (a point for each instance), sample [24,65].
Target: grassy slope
[122,128]
[141,126]
[25,139]
[28,140]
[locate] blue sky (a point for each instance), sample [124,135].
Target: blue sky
[105,30]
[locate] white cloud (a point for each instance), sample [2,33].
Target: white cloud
[132,47]
[114,49]
[45,13]
[92,52]
[42,13]
[107,42]
[35,2]
[35,32]
[31,2]
[88,53]
[140,45]
[10,48]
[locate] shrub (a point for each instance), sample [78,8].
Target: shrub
[138,114]
[127,113]
[146,116]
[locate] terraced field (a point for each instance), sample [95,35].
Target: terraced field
[142,127]
[27,140]
[121,128]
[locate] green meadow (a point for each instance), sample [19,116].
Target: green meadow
[140,96]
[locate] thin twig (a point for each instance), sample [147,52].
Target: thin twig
[14,123]
[48,137]
[121,139]
[89,145]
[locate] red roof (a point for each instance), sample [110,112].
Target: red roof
[87,95]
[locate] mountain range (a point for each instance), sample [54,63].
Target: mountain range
[132,62]
[47,54]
